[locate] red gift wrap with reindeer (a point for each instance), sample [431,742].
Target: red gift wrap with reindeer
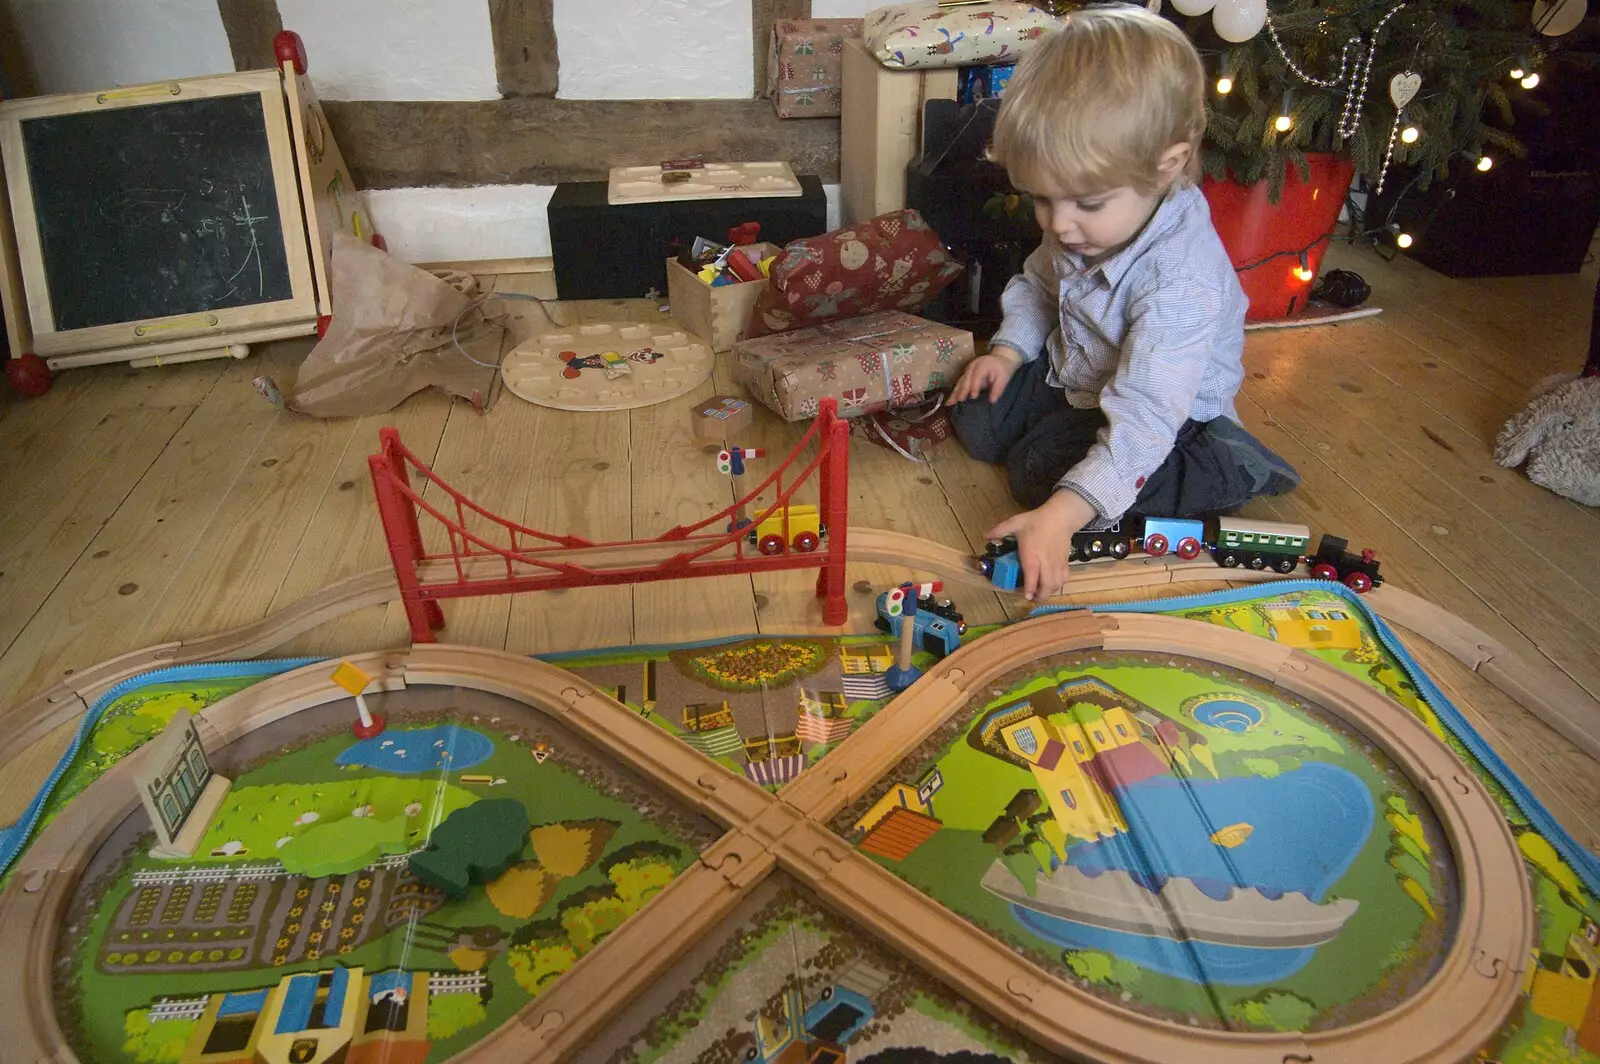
[877,362]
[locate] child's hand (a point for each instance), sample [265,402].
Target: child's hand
[1044,541]
[991,372]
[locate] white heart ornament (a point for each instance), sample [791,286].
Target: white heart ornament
[1403,88]
[1555,17]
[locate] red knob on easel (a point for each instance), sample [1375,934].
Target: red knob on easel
[287,47]
[29,375]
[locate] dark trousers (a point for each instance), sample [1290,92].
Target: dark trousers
[1214,466]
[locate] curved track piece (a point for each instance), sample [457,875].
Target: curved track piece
[1460,1007]
[1522,673]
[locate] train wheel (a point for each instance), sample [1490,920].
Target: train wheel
[986,566]
[1156,544]
[1360,583]
[771,544]
[1229,561]
[1096,548]
[1188,548]
[806,542]
[1257,562]
[1324,571]
[1119,549]
[1285,565]
[881,624]
[1074,554]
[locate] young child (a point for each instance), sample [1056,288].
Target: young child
[1109,387]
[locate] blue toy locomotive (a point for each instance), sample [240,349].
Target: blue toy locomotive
[937,627]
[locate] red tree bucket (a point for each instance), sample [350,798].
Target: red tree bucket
[1265,239]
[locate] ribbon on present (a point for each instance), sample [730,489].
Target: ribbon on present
[873,428]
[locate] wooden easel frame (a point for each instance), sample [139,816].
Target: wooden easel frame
[313,185]
[325,185]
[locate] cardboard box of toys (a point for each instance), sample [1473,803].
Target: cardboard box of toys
[805,62]
[717,313]
[876,362]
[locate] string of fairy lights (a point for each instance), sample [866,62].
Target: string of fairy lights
[1353,75]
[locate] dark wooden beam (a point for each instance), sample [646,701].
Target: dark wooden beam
[763,13]
[525,58]
[251,25]
[391,144]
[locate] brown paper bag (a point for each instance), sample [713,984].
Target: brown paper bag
[391,337]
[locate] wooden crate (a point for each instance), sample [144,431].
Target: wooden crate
[881,130]
[718,315]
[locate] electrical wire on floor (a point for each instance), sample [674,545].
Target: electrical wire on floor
[478,303]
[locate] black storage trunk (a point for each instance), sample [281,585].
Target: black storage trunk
[606,252]
[1518,219]
[1526,216]
[966,206]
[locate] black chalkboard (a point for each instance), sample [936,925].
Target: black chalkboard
[159,209]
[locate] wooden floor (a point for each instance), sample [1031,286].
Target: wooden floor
[149,505]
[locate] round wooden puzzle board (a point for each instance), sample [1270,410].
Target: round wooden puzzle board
[567,370]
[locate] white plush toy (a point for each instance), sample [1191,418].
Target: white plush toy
[1558,435]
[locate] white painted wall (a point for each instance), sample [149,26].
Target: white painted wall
[659,50]
[486,222]
[450,224]
[395,49]
[85,45]
[420,50]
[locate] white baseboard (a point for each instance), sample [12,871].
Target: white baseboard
[484,222]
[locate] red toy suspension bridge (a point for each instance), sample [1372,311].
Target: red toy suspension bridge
[485,554]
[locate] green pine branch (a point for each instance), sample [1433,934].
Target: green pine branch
[1462,49]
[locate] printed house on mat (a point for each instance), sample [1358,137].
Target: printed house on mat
[316,1018]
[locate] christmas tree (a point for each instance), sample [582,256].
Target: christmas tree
[1384,83]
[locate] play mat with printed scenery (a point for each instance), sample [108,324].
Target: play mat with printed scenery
[1242,826]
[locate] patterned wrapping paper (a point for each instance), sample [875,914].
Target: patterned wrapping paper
[891,262]
[871,363]
[911,433]
[805,60]
[922,35]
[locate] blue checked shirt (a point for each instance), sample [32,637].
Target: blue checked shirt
[1152,335]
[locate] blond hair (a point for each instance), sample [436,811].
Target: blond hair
[1099,101]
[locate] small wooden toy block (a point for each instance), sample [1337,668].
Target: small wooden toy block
[720,418]
[355,681]
[473,845]
[178,788]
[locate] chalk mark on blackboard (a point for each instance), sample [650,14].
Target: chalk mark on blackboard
[246,218]
[155,200]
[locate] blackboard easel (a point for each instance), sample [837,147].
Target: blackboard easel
[213,201]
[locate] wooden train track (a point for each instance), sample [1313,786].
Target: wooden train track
[1459,1009]
[1523,673]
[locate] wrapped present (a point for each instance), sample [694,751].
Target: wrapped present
[804,66]
[909,432]
[929,35]
[891,262]
[878,362]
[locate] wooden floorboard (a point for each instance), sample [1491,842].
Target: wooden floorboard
[139,505]
[104,603]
